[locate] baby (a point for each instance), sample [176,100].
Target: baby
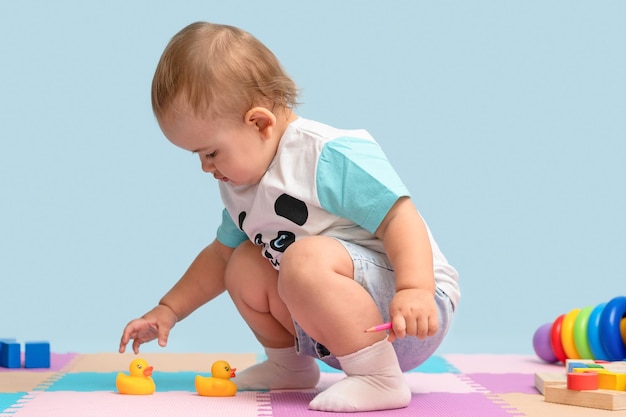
[319,238]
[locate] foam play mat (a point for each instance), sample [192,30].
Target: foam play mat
[83,385]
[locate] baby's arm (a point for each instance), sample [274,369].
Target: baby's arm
[413,311]
[203,281]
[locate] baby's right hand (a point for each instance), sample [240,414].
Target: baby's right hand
[157,323]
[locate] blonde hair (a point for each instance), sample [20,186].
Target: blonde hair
[219,71]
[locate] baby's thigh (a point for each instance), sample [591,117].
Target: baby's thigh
[316,257]
[248,269]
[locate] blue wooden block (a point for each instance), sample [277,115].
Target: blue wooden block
[5,340]
[37,355]
[10,355]
[571,365]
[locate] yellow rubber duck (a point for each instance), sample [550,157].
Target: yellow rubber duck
[219,383]
[139,382]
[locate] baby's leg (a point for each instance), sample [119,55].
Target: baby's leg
[252,284]
[316,284]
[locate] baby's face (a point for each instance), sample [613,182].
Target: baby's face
[233,151]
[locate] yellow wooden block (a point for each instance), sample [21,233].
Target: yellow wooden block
[601,398]
[596,370]
[612,380]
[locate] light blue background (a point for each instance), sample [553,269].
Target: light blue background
[506,119]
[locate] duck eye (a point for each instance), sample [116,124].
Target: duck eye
[139,366]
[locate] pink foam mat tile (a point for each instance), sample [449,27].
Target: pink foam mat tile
[295,404]
[109,404]
[503,383]
[450,383]
[499,364]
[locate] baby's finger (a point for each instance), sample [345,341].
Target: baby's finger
[433,325]
[123,342]
[423,327]
[412,327]
[399,327]
[163,335]
[136,344]
[126,336]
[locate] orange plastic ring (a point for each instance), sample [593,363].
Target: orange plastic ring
[567,334]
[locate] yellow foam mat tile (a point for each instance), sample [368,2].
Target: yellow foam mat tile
[23,381]
[535,406]
[162,362]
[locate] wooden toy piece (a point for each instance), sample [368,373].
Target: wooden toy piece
[579,381]
[37,355]
[5,341]
[612,380]
[219,383]
[139,382]
[618,367]
[570,364]
[10,355]
[600,398]
[545,379]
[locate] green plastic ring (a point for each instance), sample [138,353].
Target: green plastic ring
[580,333]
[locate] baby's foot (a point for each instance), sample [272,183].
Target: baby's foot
[374,382]
[364,393]
[284,369]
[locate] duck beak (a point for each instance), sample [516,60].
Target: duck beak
[148,371]
[232,372]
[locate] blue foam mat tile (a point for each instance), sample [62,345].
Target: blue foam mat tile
[105,381]
[8,400]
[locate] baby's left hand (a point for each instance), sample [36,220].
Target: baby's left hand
[413,312]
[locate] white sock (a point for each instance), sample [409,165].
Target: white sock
[374,382]
[283,369]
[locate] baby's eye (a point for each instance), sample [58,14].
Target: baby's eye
[210,155]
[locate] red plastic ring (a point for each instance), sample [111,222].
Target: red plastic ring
[555,339]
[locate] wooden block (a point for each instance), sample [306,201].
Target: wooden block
[579,381]
[544,379]
[617,367]
[601,398]
[37,355]
[571,363]
[612,381]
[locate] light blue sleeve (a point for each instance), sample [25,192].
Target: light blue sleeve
[355,180]
[228,233]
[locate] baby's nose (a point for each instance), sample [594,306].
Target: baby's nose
[207,166]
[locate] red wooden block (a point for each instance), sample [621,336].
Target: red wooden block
[579,381]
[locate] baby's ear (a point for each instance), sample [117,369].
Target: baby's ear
[262,118]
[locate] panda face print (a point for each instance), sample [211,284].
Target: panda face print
[291,209]
[282,241]
[286,207]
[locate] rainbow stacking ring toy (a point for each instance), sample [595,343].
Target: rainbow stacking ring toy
[597,333]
